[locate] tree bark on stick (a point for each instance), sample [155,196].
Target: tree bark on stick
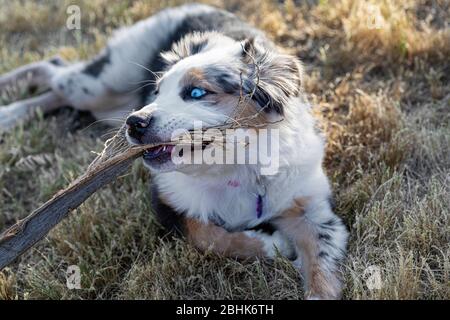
[28,231]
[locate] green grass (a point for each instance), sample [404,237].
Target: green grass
[381,95]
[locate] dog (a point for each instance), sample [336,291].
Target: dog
[195,63]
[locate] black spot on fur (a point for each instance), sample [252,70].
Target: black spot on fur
[324,236]
[228,84]
[226,79]
[86,91]
[96,65]
[263,99]
[330,224]
[57,61]
[323,254]
[265,227]
[270,229]
[198,47]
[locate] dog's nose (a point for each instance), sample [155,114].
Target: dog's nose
[137,124]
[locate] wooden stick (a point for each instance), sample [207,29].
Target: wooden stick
[26,232]
[104,169]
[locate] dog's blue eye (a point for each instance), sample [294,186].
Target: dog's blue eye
[197,93]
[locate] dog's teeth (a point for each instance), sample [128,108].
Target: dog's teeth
[164,148]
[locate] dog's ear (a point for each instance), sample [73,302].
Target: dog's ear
[272,78]
[188,46]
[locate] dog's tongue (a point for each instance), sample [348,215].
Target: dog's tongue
[167,148]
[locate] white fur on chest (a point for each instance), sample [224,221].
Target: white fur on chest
[232,200]
[229,200]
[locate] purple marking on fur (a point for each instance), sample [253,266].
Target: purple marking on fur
[234,183]
[259,206]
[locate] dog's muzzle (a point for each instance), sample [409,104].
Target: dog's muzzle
[137,125]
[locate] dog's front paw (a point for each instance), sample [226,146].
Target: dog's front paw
[274,242]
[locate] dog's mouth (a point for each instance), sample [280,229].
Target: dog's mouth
[158,151]
[163,153]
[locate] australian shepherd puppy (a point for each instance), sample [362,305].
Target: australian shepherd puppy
[198,64]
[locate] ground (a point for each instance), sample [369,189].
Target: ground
[378,74]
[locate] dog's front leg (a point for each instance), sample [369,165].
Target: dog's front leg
[242,245]
[320,239]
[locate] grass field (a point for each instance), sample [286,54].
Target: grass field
[378,73]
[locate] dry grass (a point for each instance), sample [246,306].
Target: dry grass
[378,74]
